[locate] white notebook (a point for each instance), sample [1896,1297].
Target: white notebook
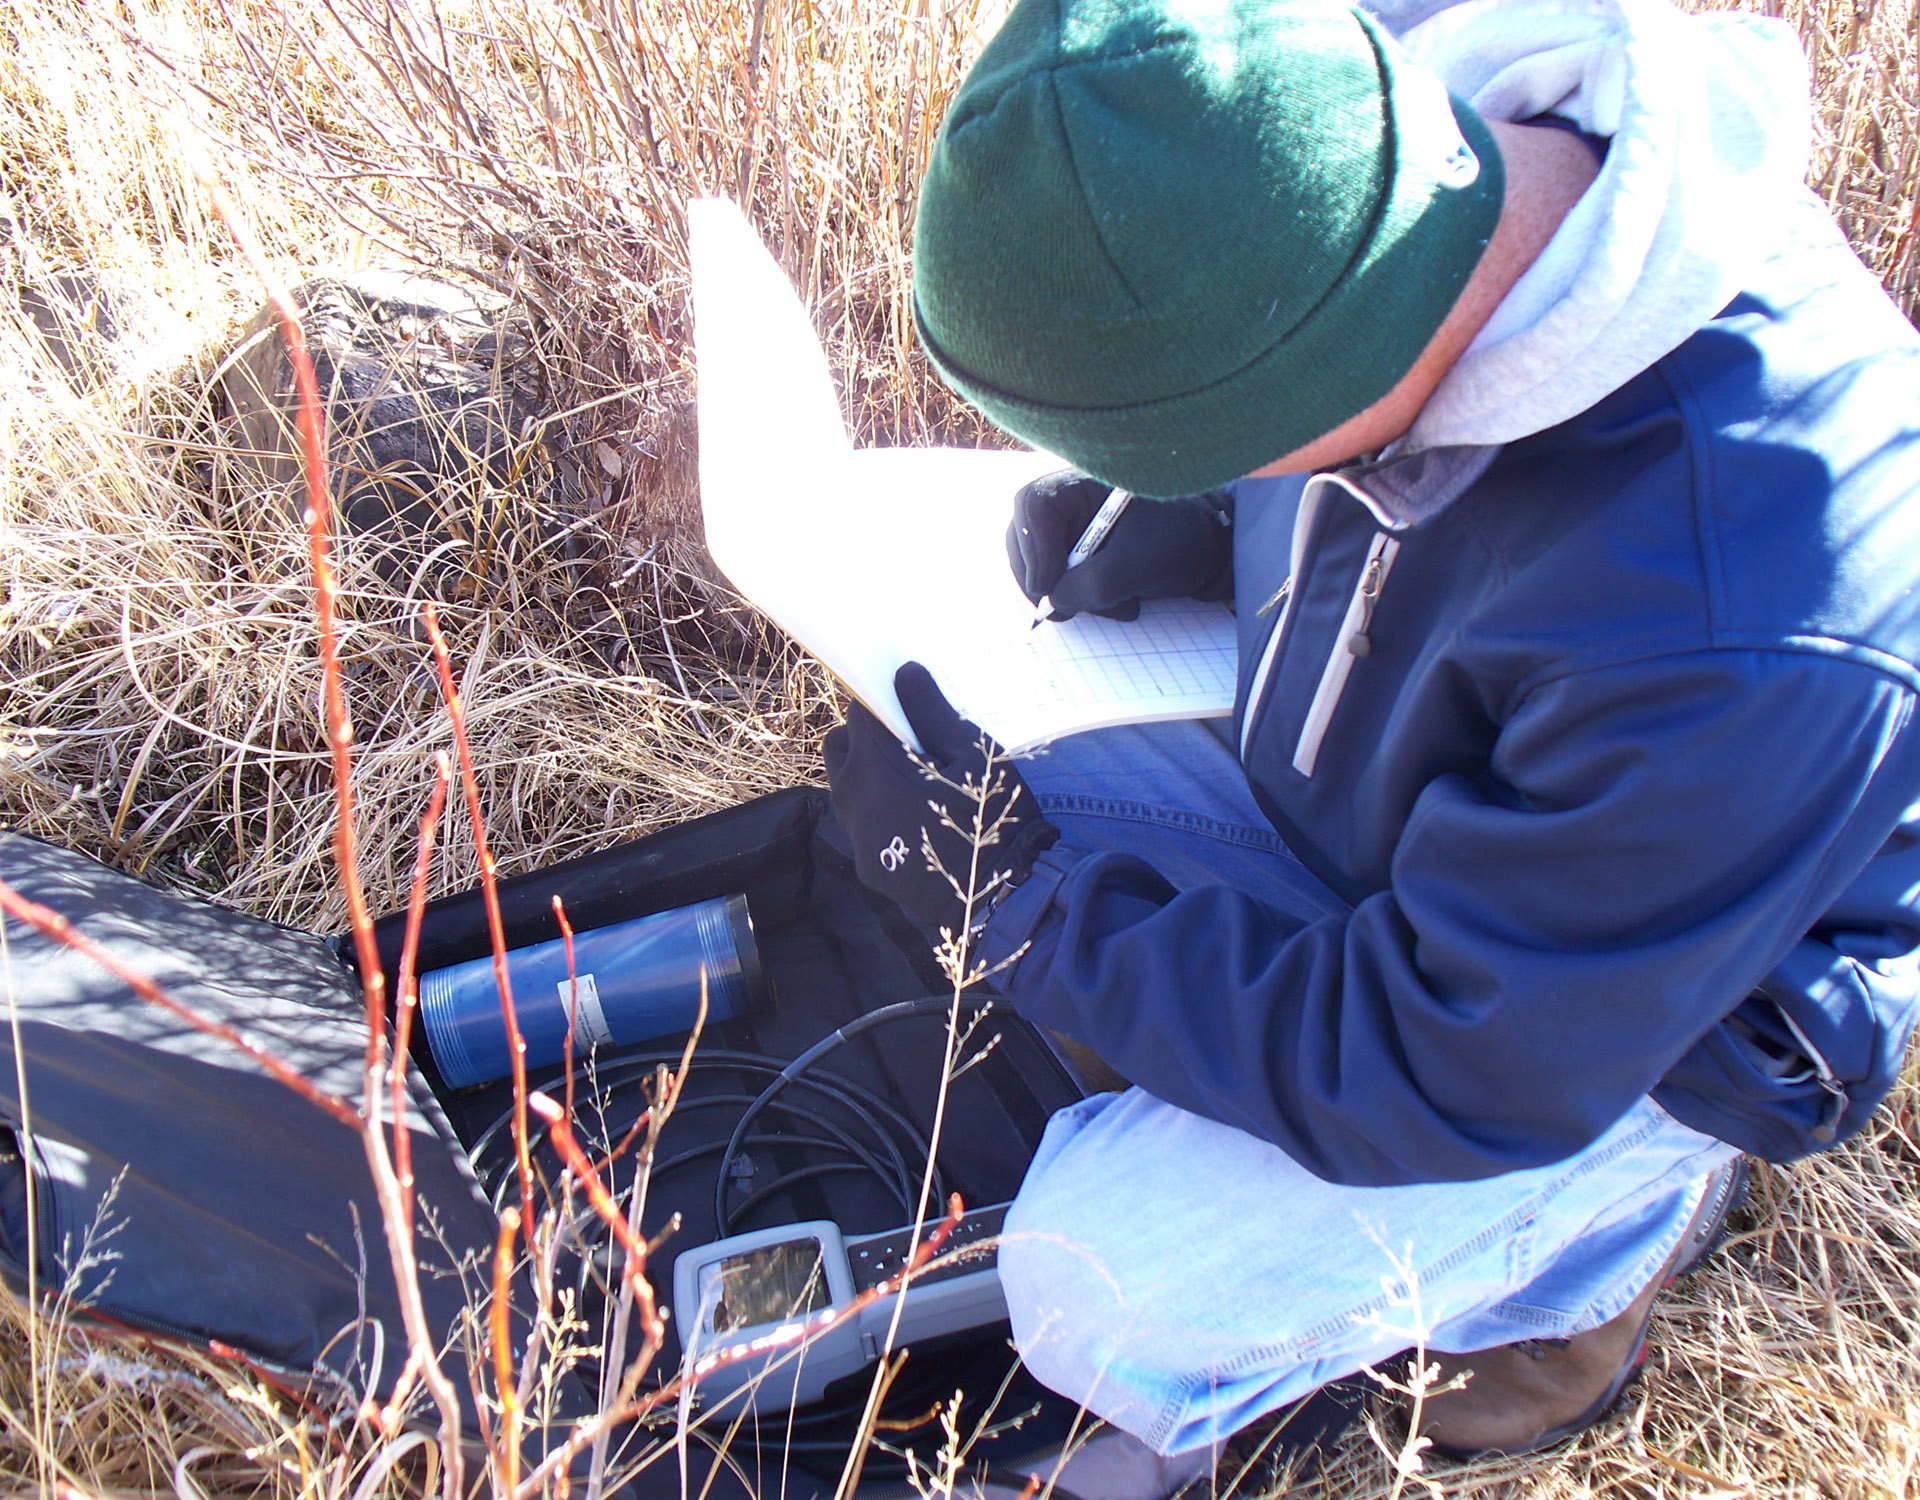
[873,557]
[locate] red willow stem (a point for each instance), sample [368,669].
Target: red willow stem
[508,1448]
[496,929]
[573,997]
[561,1134]
[388,1418]
[313,454]
[584,1435]
[407,999]
[346,856]
[633,1134]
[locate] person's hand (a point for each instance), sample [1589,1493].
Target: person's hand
[1158,549]
[914,822]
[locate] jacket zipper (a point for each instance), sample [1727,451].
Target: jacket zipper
[1349,642]
[1829,1081]
[1310,498]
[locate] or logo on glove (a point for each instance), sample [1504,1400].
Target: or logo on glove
[980,829]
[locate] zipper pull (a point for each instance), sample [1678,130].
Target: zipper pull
[1279,597]
[1837,1101]
[1358,643]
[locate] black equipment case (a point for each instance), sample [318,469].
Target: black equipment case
[182,1192]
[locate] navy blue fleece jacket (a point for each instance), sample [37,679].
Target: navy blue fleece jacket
[1624,791]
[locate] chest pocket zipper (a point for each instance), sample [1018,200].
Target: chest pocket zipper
[1350,642]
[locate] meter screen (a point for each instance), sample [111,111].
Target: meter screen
[768,1285]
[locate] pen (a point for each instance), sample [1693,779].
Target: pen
[1104,519]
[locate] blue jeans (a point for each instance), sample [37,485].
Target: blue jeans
[1181,1277]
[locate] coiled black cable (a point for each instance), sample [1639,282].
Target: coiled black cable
[794,1073]
[879,1156]
[890,1173]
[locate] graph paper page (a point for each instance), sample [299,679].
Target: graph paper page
[919,572]
[1175,662]
[874,557]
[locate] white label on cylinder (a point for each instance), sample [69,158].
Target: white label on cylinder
[590,1027]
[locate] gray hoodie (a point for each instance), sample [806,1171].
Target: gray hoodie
[1708,119]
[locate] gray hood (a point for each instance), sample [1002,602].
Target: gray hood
[1709,125]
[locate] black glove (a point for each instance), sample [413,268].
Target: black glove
[1158,549]
[903,814]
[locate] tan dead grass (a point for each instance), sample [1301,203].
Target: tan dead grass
[157,677]
[111,1421]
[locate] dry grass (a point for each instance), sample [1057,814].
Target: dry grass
[159,676]
[158,684]
[1866,67]
[1864,56]
[109,1420]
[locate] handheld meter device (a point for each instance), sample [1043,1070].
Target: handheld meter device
[776,1288]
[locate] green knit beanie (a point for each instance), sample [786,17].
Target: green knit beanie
[1171,240]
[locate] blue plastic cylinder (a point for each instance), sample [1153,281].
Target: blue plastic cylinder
[637,980]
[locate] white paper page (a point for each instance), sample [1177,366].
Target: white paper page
[1175,662]
[880,556]
[937,521]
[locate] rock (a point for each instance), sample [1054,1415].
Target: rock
[431,391]
[94,331]
[75,321]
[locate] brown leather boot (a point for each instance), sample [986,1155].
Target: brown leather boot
[1530,1395]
